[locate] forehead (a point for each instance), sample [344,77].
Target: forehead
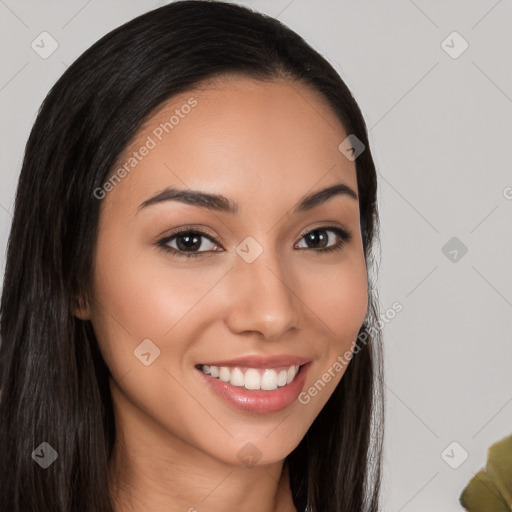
[239,137]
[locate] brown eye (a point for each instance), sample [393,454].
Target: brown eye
[188,243]
[323,239]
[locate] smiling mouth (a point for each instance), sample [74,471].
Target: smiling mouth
[266,379]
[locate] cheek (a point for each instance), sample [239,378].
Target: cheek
[340,300]
[139,295]
[341,303]
[342,306]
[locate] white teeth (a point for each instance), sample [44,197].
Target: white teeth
[237,377]
[281,378]
[269,380]
[290,374]
[253,379]
[224,374]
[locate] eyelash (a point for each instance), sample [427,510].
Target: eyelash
[344,236]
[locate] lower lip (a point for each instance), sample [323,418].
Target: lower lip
[258,401]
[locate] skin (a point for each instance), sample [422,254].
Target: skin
[264,145]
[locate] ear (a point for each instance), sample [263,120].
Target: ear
[80,309]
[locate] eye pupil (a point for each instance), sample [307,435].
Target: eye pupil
[318,235]
[184,242]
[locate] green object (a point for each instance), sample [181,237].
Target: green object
[490,490]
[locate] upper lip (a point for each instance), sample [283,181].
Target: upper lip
[257,361]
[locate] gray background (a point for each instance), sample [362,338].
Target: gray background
[440,130]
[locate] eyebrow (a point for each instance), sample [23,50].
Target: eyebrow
[221,203]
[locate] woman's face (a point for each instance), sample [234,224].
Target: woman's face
[255,291]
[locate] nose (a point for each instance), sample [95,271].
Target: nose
[263,298]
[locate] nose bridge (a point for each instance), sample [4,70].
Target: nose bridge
[263,296]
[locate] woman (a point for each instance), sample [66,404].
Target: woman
[188,316]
